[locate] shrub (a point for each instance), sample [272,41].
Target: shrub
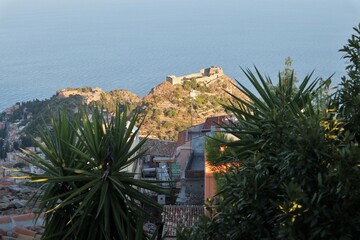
[88,192]
[296,173]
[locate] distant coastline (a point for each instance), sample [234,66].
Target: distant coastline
[45,47]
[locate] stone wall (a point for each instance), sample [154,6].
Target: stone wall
[205,75]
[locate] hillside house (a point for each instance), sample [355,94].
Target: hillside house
[193,181]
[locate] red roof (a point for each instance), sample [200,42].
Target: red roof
[6,183]
[180,216]
[24,231]
[213,122]
[24,217]
[158,148]
[5,219]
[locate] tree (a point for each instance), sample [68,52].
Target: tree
[19,165]
[296,175]
[215,149]
[16,146]
[2,133]
[171,113]
[88,192]
[349,93]
[4,149]
[288,74]
[187,85]
[26,141]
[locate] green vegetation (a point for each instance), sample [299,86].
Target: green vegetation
[349,93]
[88,192]
[295,168]
[19,165]
[42,111]
[166,109]
[80,89]
[288,73]
[2,133]
[215,148]
[27,141]
[171,113]
[192,84]
[113,99]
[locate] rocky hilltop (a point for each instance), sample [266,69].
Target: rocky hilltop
[170,107]
[97,95]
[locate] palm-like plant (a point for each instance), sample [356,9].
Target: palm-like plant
[264,117]
[88,193]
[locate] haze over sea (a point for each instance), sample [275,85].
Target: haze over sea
[47,45]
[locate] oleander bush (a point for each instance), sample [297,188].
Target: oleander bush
[297,168]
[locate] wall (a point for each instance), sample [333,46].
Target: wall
[205,75]
[209,182]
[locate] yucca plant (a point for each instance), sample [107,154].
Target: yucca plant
[89,190]
[266,115]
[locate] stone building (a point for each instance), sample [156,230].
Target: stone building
[205,75]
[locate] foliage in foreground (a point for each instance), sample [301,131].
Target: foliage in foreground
[299,164]
[88,192]
[349,93]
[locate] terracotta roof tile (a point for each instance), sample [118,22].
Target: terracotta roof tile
[159,148]
[6,183]
[2,232]
[24,231]
[5,219]
[8,238]
[23,237]
[24,217]
[180,216]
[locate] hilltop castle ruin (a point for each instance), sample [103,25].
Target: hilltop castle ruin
[206,75]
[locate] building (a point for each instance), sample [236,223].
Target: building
[205,76]
[155,164]
[194,183]
[179,216]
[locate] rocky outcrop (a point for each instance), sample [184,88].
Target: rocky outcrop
[172,108]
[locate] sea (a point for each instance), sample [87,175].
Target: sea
[48,45]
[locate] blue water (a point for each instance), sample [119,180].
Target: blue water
[46,45]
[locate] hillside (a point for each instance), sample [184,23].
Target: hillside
[33,114]
[172,108]
[97,95]
[168,108]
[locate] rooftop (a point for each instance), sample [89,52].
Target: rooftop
[158,148]
[23,226]
[179,216]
